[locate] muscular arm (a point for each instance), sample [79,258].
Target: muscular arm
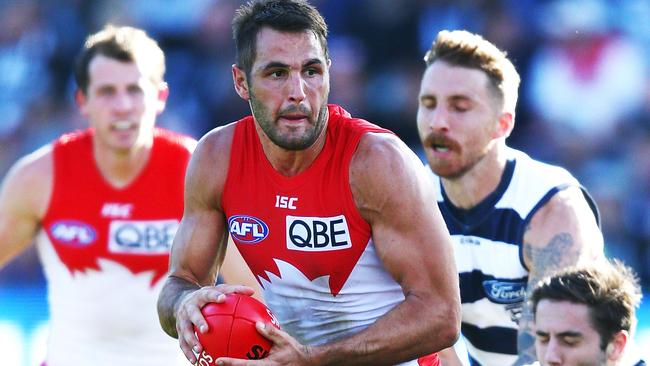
[390,188]
[199,245]
[562,233]
[24,197]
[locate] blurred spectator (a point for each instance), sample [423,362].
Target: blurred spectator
[585,98]
[586,80]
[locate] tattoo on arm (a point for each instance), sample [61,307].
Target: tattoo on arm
[553,255]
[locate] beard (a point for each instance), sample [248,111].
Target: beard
[288,140]
[460,161]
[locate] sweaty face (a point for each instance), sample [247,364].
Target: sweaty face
[457,117]
[121,103]
[565,336]
[289,87]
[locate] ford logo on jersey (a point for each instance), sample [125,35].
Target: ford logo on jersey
[73,232]
[247,229]
[504,292]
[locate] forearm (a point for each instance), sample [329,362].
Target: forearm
[173,291]
[396,337]
[448,357]
[525,334]
[526,338]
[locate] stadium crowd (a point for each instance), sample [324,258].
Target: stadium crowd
[584,100]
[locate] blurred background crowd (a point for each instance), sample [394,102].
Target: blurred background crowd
[584,100]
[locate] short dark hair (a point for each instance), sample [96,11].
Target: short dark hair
[125,44]
[465,49]
[282,15]
[610,290]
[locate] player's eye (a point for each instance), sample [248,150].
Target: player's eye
[277,73]
[542,338]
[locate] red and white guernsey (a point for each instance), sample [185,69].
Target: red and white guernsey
[105,254]
[304,238]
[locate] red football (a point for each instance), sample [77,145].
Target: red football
[232,331]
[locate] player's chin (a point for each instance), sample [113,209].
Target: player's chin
[445,170]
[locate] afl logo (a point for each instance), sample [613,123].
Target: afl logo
[247,229]
[73,232]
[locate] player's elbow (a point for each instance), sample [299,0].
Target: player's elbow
[450,327]
[448,318]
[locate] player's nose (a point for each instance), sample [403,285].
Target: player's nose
[552,354]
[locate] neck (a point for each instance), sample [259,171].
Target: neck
[120,168]
[482,179]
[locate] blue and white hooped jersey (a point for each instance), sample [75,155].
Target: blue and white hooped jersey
[487,243]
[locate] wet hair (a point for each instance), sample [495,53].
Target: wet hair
[465,49]
[293,16]
[126,44]
[610,290]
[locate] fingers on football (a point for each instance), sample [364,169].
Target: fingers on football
[240,289]
[270,332]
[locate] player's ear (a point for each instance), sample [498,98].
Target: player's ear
[80,99]
[240,81]
[616,346]
[163,94]
[505,124]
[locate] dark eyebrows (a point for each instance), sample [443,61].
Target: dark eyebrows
[568,333]
[312,62]
[274,65]
[281,65]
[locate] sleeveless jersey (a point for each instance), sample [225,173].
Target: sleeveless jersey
[488,246]
[105,254]
[304,238]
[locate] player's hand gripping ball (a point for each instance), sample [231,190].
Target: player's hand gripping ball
[232,331]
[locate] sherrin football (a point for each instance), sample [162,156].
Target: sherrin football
[232,331]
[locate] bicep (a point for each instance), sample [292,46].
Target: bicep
[23,197]
[562,233]
[409,234]
[198,248]
[200,243]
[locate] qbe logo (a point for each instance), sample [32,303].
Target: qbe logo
[317,234]
[141,237]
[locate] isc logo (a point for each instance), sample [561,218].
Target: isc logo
[317,234]
[286,202]
[247,229]
[73,232]
[141,237]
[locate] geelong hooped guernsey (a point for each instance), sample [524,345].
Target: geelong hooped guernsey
[105,253]
[304,238]
[487,243]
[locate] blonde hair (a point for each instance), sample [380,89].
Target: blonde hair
[465,49]
[123,43]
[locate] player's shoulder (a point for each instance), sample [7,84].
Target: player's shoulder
[174,140]
[383,161]
[212,154]
[383,148]
[35,166]
[217,141]
[534,169]
[29,181]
